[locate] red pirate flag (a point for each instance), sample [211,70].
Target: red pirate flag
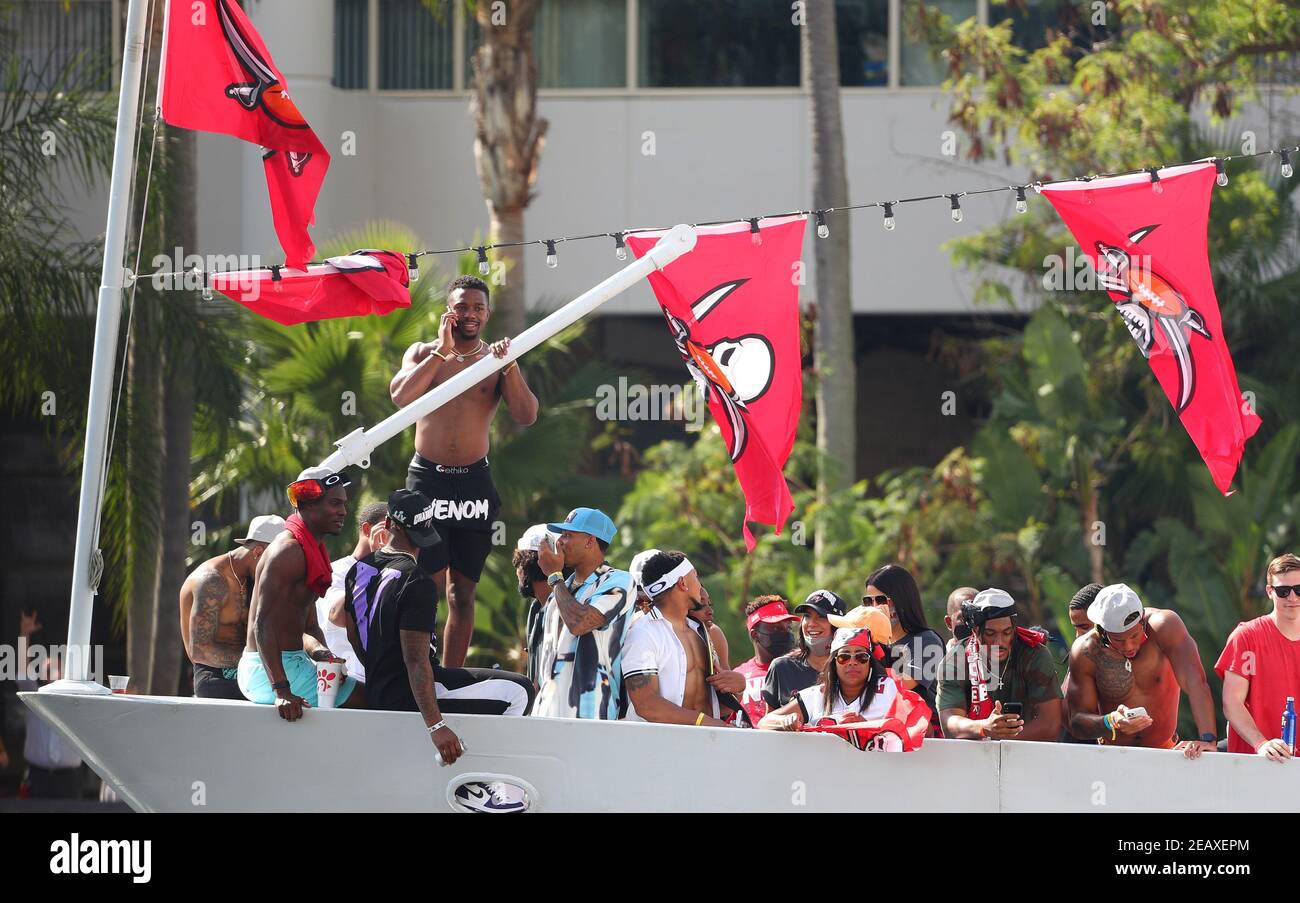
[219,77]
[1147,242]
[363,282]
[732,307]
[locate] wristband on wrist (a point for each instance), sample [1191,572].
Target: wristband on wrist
[439,356]
[1207,737]
[699,719]
[280,685]
[434,728]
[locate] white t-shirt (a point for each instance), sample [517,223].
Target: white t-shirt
[652,647]
[812,703]
[337,637]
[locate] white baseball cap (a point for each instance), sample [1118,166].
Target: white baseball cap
[638,565]
[263,528]
[532,539]
[1116,609]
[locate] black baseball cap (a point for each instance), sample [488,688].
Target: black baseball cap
[415,513]
[824,602]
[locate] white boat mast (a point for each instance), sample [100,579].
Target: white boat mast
[87,563]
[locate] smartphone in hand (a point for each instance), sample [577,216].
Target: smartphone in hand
[1013,708]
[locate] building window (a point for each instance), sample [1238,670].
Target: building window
[717,44]
[416,46]
[351,41]
[863,27]
[576,43]
[51,35]
[581,44]
[918,65]
[1036,22]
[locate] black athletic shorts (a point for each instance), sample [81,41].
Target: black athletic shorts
[465,506]
[212,683]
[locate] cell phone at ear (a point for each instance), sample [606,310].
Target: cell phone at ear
[1012,708]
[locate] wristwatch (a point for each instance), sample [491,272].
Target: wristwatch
[555,578]
[1209,738]
[282,685]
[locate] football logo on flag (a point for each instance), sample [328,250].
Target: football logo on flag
[732,310]
[265,91]
[1152,302]
[1150,251]
[736,370]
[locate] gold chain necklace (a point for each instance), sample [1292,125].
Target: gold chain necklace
[460,358]
[243,593]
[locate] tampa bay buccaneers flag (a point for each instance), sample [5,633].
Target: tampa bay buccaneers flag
[360,283]
[732,306]
[219,77]
[1147,242]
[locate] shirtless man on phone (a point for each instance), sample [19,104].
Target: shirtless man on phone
[450,466]
[1131,667]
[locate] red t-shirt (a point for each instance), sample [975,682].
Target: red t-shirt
[1259,652]
[752,701]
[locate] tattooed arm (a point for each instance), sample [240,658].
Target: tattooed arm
[419,671]
[643,690]
[210,596]
[579,617]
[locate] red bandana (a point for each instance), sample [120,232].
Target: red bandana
[318,560]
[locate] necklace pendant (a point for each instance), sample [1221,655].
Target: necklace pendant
[1128,665]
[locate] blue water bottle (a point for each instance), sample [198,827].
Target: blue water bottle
[1288,724]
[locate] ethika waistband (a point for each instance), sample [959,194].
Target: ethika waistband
[480,464]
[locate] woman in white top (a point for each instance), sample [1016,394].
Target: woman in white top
[856,685]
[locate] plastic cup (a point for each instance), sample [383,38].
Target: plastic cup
[117,683]
[328,677]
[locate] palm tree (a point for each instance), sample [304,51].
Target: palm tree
[836,385]
[508,133]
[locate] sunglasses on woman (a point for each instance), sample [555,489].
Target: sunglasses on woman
[1283,591]
[875,600]
[844,658]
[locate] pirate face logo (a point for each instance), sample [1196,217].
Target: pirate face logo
[265,90]
[738,370]
[1152,303]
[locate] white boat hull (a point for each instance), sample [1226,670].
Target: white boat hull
[168,754]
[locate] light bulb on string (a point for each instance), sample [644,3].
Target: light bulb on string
[956,208]
[1022,206]
[1222,177]
[755,237]
[823,230]
[412,268]
[620,248]
[483,266]
[1287,170]
[1156,187]
[889,218]
[552,259]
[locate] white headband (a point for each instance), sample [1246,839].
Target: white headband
[669,579]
